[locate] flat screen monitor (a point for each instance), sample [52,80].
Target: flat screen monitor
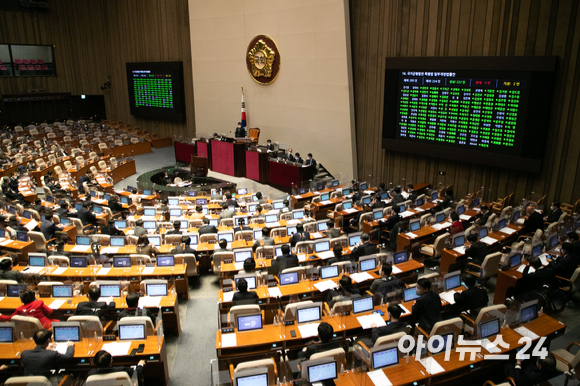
[12,210]
[228,236]
[191,193]
[301,190]
[401,257]
[183,224]
[98,209]
[322,372]
[129,189]
[49,199]
[173,201]
[27,214]
[62,291]
[460,209]
[154,240]
[278,250]
[252,208]
[367,264]
[37,259]
[346,205]
[434,195]
[214,222]
[537,250]
[121,261]
[489,328]
[297,214]
[410,294]
[319,187]
[242,191]
[385,358]
[321,246]
[515,260]
[22,236]
[384,195]
[366,200]
[278,204]
[157,289]
[146,192]
[253,380]
[307,315]
[2,232]
[257,234]
[78,207]
[452,280]
[354,239]
[126,200]
[241,255]
[501,223]
[458,241]
[237,220]
[442,347]
[201,201]
[249,322]
[325,197]
[362,305]
[289,278]
[65,221]
[401,207]
[106,197]
[13,290]
[553,241]
[329,272]
[120,224]
[132,331]
[414,225]
[363,186]
[377,214]
[322,226]
[476,202]
[529,313]
[175,212]
[251,280]
[6,334]
[66,333]
[110,290]
[165,261]
[334,183]
[439,217]
[482,232]
[78,261]
[149,224]
[149,212]
[290,230]
[270,218]
[83,240]
[345,192]
[420,201]
[117,241]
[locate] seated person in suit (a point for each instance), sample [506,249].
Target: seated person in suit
[556,213]
[38,206]
[93,306]
[266,239]
[345,291]
[386,283]
[289,156]
[476,253]
[566,265]
[332,232]
[456,226]
[185,246]
[376,202]
[44,357]
[412,194]
[176,228]
[144,248]
[390,222]
[533,221]
[485,215]
[575,241]
[230,201]
[364,248]
[249,265]
[269,145]
[132,310]
[472,299]
[299,159]
[448,199]
[241,226]
[198,215]
[62,211]
[310,161]
[532,373]
[394,325]
[287,260]
[7,273]
[110,229]
[206,228]
[240,131]
[138,230]
[261,199]
[325,332]
[104,362]
[223,246]
[85,214]
[540,277]
[427,308]
[396,197]
[286,207]
[338,256]
[243,293]
[226,212]
[299,236]
[115,205]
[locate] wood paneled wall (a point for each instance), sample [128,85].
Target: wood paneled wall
[383,29]
[94,39]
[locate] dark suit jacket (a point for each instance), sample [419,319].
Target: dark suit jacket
[139,231]
[39,208]
[367,248]
[240,132]
[447,202]
[539,278]
[555,215]
[248,295]
[316,348]
[86,217]
[310,161]
[111,230]
[48,229]
[207,229]
[471,299]
[390,328]
[477,252]
[174,232]
[299,160]
[385,285]
[130,312]
[128,370]
[427,310]
[270,147]
[238,229]
[290,157]
[93,308]
[287,261]
[181,249]
[333,233]
[483,220]
[389,223]
[12,275]
[566,265]
[40,361]
[529,375]
[62,212]
[297,237]
[534,222]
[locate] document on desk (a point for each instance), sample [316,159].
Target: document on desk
[301,257]
[431,365]
[325,255]
[368,191]
[298,197]
[229,340]
[228,296]
[396,270]
[274,292]
[325,285]
[316,235]
[149,301]
[507,230]
[34,269]
[544,259]
[448,296]
[81,248]
[460,249]
[149,270]
[31,225]
[109,250]
[367,321]
[488,240]
[464,217]
[440,226]
[522,267]
[103,271]
[405,310]
[326,202]
[5,242]
[117,349]
[55,305]
[419,209]
[521,220]
[379,378]
[406,214]
[360,277]
[59,271]
[490,347]
[308,330]
[273,224]
[292,222]
[411,235]
[239,266]
[351,210]
[61,348]
[527,333]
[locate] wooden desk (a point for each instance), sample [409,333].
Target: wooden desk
[341,216]
[320,209]
[22,248]
[127,150]
[161,142]
[204,150]
[287,176]
[123,171]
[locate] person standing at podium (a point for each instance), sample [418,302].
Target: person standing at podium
[269,145]
[240,131]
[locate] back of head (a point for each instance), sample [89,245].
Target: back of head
[285,249]
[241,222]
[387,269]
[346,283]
[454,216]
[330,224]
[325,332]
[42,336]
[556,204]
[394,310]
[139,223]
[535,262]
[266,231]
[299,228]
[249,264]
[548,364]
[472,238]
[103,359]
[259,208]
[228,196]
[86,204]
[132,299]
[223,243]
[199,208]
[185,240]
[484,208]
[365,237]
[177,225]
[449,192]
[573,236]
[397,190]
[225,206]
[396,209]
[94,293]
[242,285]
[27,296]
[5,264]
[568,247]
[469,281]
[424,283]
[259,195]
[286,203]
[337,250]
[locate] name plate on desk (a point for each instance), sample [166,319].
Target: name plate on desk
[227,289]
[269,257]
[109,337]
[289,323]
[107,265]
[150,265]
[227,330]
[272,284]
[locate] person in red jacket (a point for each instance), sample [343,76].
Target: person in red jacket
[456,226]
[32,308]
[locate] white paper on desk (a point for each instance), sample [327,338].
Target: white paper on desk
[476,209]
[411,235]
[379,378]
[6,242]
[419,209]
[460,249]
[325,255]
[325,285]
[109,250]
[368,191]
[437,227]
[81,248]
[406,214]
[360,277]
[522,267]
[448,296]
[298,197]
[55,305]
[351,210]
[149,301]
[59,271]
[396,270]
[326,202]
[464,217]
[544,259]
[316,235]
[103,271]
[117,349]
[148,271]
[308,330]
[490,347]
[488,240]
[229,340]
[431,365]
[273,224]
[61,347]
[31,225]
[274,292]
[521,220]
[527,333]
[292,222]
[228,296]
[405,310]
[507,230]
[301,258]
[99,201]
[367,321]
[34,269]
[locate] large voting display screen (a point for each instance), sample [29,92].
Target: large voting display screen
[156,90]
[489,110]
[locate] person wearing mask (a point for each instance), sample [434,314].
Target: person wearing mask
[240,131]
[269,146]
[139,230]
[411,191]
[310,161]
[289,156]
[532,373]
[386,283]
[266,239]
[456,225]
[110,229]
[566,265]
[325,343]
[184,247]
[104,362]
[176,228]
[242,292]
[32,308]
[145,248]
[396,196]
[133,310]
[93,307]
[206,228]
[286,207]
[364,248]
[485,212]
[556,213]
[167,180]
[575,241]
[299,159]
[427,308]
[533,221]
[300,235]
[473,299]
[85,214]
[332,232]
[44,357]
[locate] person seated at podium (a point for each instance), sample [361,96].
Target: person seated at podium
[44,357]
[242,292]
[206,228]
[198,215]
[260,198]
[325,343]
[269,145]
[139,230]
[310,161]
[132,300]
[241,226]
[240,131]
[299,159]
[110,229]
[93,307]
[289,156]
[427,308]
[144,248]
[226,212]
[32,308]
[7,273]
[184,247]
[266,239]
[386,283]
[472,299]
[287,260]
[167,180]
[176,228]
[300,235]
[104,362]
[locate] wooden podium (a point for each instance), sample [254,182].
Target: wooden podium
[199,166]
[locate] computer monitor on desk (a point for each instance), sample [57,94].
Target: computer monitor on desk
[384,356]
[166,261]
[401,257]
[366,200]
[132,330]
[308,313]
[489,328]
[298,214]
[329,272]
[173,201]
[452,280]
[536,250]
[325,197]
[22,236]
[214,222]
[240,255]
[7,332]
[117,241]
[78,261]
[149,211]
[420,201]
[415,225]
[367,263]
[363,186]
[529,311]
[155,240]
[228,236]
[62,291]
[278,204]
[362,305]
[120,224]
[410,294]
[482,232]
[354,238]
[83,240]
[434,195]
[66,331]
[448,343]
[110,290]
[36,259]
[322,246]
[515,260]
[458,240]
[175,212]
[439,217]
[289,278]
[122,261]
[476,202]
[377,214]
[320,372]
[322,225]
[251,377]
[252,207]
[271,218]
[249,322]
[242,191]
[156,289]
[291,230]
[460,209]
[346,205]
